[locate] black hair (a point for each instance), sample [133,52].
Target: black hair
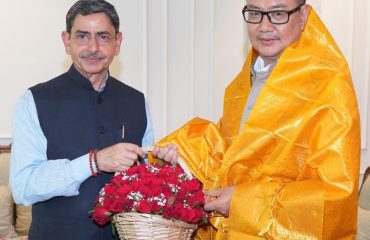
[87,7]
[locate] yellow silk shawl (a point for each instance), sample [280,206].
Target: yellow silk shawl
[295,164]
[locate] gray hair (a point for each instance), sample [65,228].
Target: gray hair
[87,7]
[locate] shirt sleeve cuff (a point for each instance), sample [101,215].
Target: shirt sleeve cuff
[82,168]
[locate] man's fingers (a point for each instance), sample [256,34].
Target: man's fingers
[207,199]
[155,151]
[212,193]
[175,158]
[210,206]
[170,155]
[166,153]
[133,156]
[129,147]
[119,157]
[122,165]
[127,163]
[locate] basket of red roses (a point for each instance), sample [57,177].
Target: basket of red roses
[154,201]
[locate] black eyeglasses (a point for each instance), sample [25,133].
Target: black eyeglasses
[275,17]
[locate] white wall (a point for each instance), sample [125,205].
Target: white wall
[194,49]
[33,52]
[180,53]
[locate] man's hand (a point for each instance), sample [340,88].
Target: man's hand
[118,157]
[218,201]
[167,153]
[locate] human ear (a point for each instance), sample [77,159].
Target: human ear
[66,41]
[119,38]
[305,10]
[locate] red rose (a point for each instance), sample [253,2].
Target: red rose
[117,181]
[143,189]
[147,176]
[181,194]
[196,199]
[167,213]
[170,179]
[109,189]
[159,181]
[143,206]
[117,205]
[124,190]
[166,191]
[167,170]
[136,185]
[187,186]
[155,206]
[181,212]
[101,215]
[129,204]
[193,215]
[194,184]
[157,189]
[108,200]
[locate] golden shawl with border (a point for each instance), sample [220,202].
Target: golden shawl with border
[295,164]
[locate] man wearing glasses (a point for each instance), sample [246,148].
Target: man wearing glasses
[67,132]
[283,161]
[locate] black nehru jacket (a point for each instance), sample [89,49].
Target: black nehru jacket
[75,119]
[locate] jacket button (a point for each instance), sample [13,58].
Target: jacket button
[101,130]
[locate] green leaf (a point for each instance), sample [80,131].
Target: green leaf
[113,229]
[108,214]
[160,162]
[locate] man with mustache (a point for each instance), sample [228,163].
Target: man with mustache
[72,133]
[283,161]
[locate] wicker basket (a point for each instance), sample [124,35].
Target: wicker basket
[133,226]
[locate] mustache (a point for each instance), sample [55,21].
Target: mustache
[267,36]
[98,56]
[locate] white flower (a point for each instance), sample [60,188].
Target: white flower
[135,196]
[161,201]
[129,177]
[184,177]
[174,188]
[152,168]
